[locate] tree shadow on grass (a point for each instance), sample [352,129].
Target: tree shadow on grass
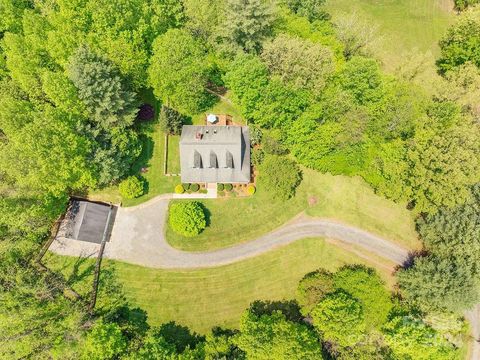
[76,275]
[208,214]
[289,308]
[143,161]
[179,336]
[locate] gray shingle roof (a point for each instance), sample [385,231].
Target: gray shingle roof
[223,154]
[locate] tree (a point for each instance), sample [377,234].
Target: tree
[247,78]
[312,288]
[311,9]
[463,4]
[248,23]
[104,341]
[54,159]
[187,218]
[279,105]
[273,337]
[361,77]
[455,232]
[178,71]
[444,161]
[339,318]
[461,44]
[36,320]
[12,12]
[410,338]
[131,187]
[203,17]
[301,63]
[279,175]
[358,36]
[171,121]
[365,285]
[100,86]
[438,284]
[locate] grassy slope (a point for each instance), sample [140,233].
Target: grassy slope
[404,25]
[204,298]
[346,199]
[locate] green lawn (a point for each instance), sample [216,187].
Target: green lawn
[173,163]
[223,106]
[404,25]
[343,198]
[204,298]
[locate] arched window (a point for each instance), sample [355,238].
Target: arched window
[197,160]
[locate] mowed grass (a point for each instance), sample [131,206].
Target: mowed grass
[201,299]
[403,25]
[346,199]
[223,106]
[173,157]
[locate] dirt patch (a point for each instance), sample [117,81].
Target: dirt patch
[312,200]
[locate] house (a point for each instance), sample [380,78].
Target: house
[215,154]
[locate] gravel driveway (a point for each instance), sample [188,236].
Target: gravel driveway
[138,237]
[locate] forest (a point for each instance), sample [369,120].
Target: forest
[73,78]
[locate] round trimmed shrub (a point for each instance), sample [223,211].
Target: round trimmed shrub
[251,189]
[187,218]
[194,187]
[228,187]
[179,189]
[220,187]
[186,186]
[131,187]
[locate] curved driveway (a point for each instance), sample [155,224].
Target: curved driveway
[138,237]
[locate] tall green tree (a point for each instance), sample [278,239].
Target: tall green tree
[365,285]
[455,232]
[178,72]
[461,44]
[248,23]
[108,100]
[410,338]
[339,318]
[439,284]
[444,161]
[302,63]
[273,337]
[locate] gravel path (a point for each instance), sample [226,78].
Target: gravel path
[138,237]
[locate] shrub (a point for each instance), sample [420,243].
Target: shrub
[194,187]
[171,121]
[131,187]
[187,218]
[220,187]
[228,187]
[179,189]
[280,175]
[251,189]
[146,112]
[257,156]
[186,186]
